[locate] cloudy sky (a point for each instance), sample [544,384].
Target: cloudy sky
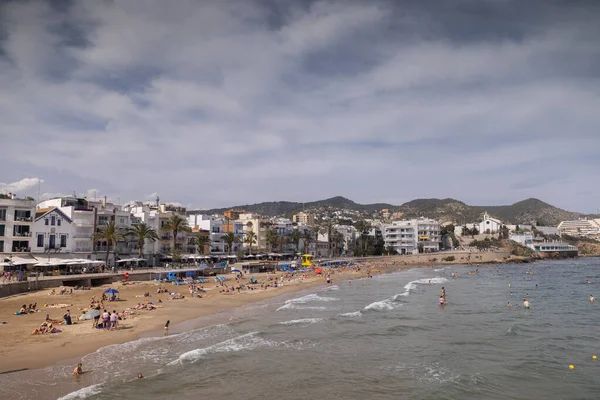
[217,103]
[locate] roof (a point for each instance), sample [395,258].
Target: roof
[45,211]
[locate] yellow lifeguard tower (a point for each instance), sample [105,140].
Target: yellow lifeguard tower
[307,261]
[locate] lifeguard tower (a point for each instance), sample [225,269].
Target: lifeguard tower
[307,261]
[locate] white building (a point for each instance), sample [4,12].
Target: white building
[580,227]
[217,228]
[303,218]
[16,220]
[489,224]
[53,232]
[523,238]
[407,237]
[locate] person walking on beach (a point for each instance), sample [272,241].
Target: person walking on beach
[167,327]
[114,317]
[105,319]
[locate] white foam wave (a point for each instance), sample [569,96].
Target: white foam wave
[334,287]
[310,297]
[294,306]
[82,393]
[438,269]
[383,305]
[351,314]
[410,286]
[302,321]
[249,341]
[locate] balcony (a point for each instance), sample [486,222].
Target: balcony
[22,234]
[23,219]
[83,249]
[17,249]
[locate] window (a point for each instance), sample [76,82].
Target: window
[47,221]
[40,240]
[63,240]
[2,214]
[52,244]
[1,246]
[53,220]
[58,222]
[2,230]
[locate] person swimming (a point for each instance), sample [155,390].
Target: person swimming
[592,299]
[442,301]
[526,304]
[509,305]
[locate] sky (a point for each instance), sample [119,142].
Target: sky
[219,103]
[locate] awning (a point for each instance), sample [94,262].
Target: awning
[130,260]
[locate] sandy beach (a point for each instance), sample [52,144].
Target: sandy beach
[22,350]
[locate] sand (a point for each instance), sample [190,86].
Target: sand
[21,350]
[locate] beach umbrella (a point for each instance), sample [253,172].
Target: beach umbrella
[111,291]
[236,270]
[91,314]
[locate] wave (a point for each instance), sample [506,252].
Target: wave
[351,314]
[410,286]
[309,298]
[249,341]
[82,393]
[302,321]
[383,305]
[293,306]
[334,287]
[439,269]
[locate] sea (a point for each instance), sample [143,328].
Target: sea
[384,337]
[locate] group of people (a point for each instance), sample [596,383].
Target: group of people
[62,291]
[28,309]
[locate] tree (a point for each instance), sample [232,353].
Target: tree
[110,234]
[272,239]
[230,238]
[307,238]
[142,232]
[363,227]
[250,239]
[327,226]
[390,250]
[295,238]
[176,224]
[338,240]
[200,241]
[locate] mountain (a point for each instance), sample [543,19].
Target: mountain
[277,208]
[524,212]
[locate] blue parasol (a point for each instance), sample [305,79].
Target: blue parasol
[111,291]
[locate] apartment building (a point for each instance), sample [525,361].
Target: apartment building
[16,220]
[303,218]
[413,236]
[580,227]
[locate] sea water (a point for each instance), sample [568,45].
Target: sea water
[380,338]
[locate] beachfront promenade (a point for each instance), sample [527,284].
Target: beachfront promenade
[146,274]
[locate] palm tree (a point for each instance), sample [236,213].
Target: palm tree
[272,239]
[338,239]
[363,227]
[282,242]
[250,239]
[295,238]
[142,232]
[307,237]
[327,226]
[230,238]
[110,234]
[200,241]
[176,224]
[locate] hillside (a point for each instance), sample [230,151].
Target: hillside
[276,208]
[523,212]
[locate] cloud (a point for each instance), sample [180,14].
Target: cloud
[225,103]
[23,185]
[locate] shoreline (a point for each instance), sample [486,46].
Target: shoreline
[185,315]
[73,344]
